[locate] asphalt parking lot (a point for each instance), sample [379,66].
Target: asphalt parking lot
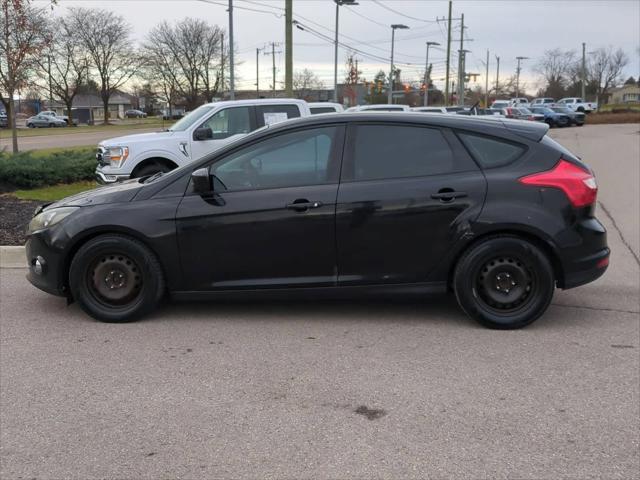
[349,389]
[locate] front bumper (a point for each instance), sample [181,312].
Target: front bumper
[50,276]
[105,178]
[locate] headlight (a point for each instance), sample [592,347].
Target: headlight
[116,155]
[49,218]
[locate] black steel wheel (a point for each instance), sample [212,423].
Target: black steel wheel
[115,278]
[504,282]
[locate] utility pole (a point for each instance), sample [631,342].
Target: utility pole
[257,73]
[221,66]
[519,59]
[486,83]
[50,86]
[426,74]
[232,92]
[273,55]
[288,49]
[461,64]
[446,80]
[393,38]
[338,3]
[584,71]
[497,76]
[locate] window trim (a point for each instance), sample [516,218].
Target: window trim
[348,162]
[334,164]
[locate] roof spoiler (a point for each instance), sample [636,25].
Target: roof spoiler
[530,130]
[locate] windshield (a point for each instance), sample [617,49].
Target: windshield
[191,118]
[526,111]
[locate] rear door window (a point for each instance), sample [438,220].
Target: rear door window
[270,114]
[400,151]
[491,152]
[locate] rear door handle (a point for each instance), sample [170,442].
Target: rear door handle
[303,205]
[447,196]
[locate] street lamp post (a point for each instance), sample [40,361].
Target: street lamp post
[518,75]
[393,37]
[338,3]
[426,74]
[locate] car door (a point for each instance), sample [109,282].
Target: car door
[40,121]
[405,194]
[226,125]
[270,221]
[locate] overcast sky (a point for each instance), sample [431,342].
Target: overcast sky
[507,28]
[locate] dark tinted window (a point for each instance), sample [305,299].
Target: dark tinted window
[490,151]
[269,114]
[288,160]
[316,110]
[395,151]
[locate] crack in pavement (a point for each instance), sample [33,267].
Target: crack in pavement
[595,308]
[615,225]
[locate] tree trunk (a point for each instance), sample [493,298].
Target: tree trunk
[11,123]
[105,105]
[69,115]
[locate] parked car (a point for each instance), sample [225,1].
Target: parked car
[577,104]
[382,107]
[494,211]
[522,113]
[481,112]
[51,113]
[542,102]
[325,107]
[575,118]
[553,119]
[500,104]
[450,110]
[199,133]
[519,102]
[4,120]
[44,120]
[135,114]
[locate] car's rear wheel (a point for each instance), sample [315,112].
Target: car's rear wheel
[31,125]
[115,278]
[504,282]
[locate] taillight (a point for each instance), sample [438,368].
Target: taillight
[578,184]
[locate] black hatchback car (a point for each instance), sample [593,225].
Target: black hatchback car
[491,210]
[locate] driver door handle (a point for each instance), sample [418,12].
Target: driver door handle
[448,195]
[302,205]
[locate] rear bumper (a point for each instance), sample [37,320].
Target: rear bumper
[592,268]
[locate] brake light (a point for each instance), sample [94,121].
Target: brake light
[579,185]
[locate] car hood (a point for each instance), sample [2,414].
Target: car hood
[119,193]
[137,138]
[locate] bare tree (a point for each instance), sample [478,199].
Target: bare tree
[187,58]
[106,37]
[605,69]
[65,64]
[304,82]
[23,35]
[555,67]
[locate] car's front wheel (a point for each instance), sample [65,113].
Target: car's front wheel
[115,278]
[504,282]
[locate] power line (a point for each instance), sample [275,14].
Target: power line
[378,2]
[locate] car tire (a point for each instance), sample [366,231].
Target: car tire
[151,169]
[31,125]
[504,282]
[549,122]
[116,279]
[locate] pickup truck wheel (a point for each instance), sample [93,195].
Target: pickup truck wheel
[581,109]
[151,169]
[115,278]
[504,282]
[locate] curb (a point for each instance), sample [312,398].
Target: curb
[12,257]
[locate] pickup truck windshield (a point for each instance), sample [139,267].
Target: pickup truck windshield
[185,122]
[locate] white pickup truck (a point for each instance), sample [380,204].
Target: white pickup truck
[577,104]
[199,133]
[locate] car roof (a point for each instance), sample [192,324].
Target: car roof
[480,124]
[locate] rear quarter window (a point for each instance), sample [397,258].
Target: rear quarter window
[491,152]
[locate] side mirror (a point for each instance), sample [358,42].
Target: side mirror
[201,181]
[203,133]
